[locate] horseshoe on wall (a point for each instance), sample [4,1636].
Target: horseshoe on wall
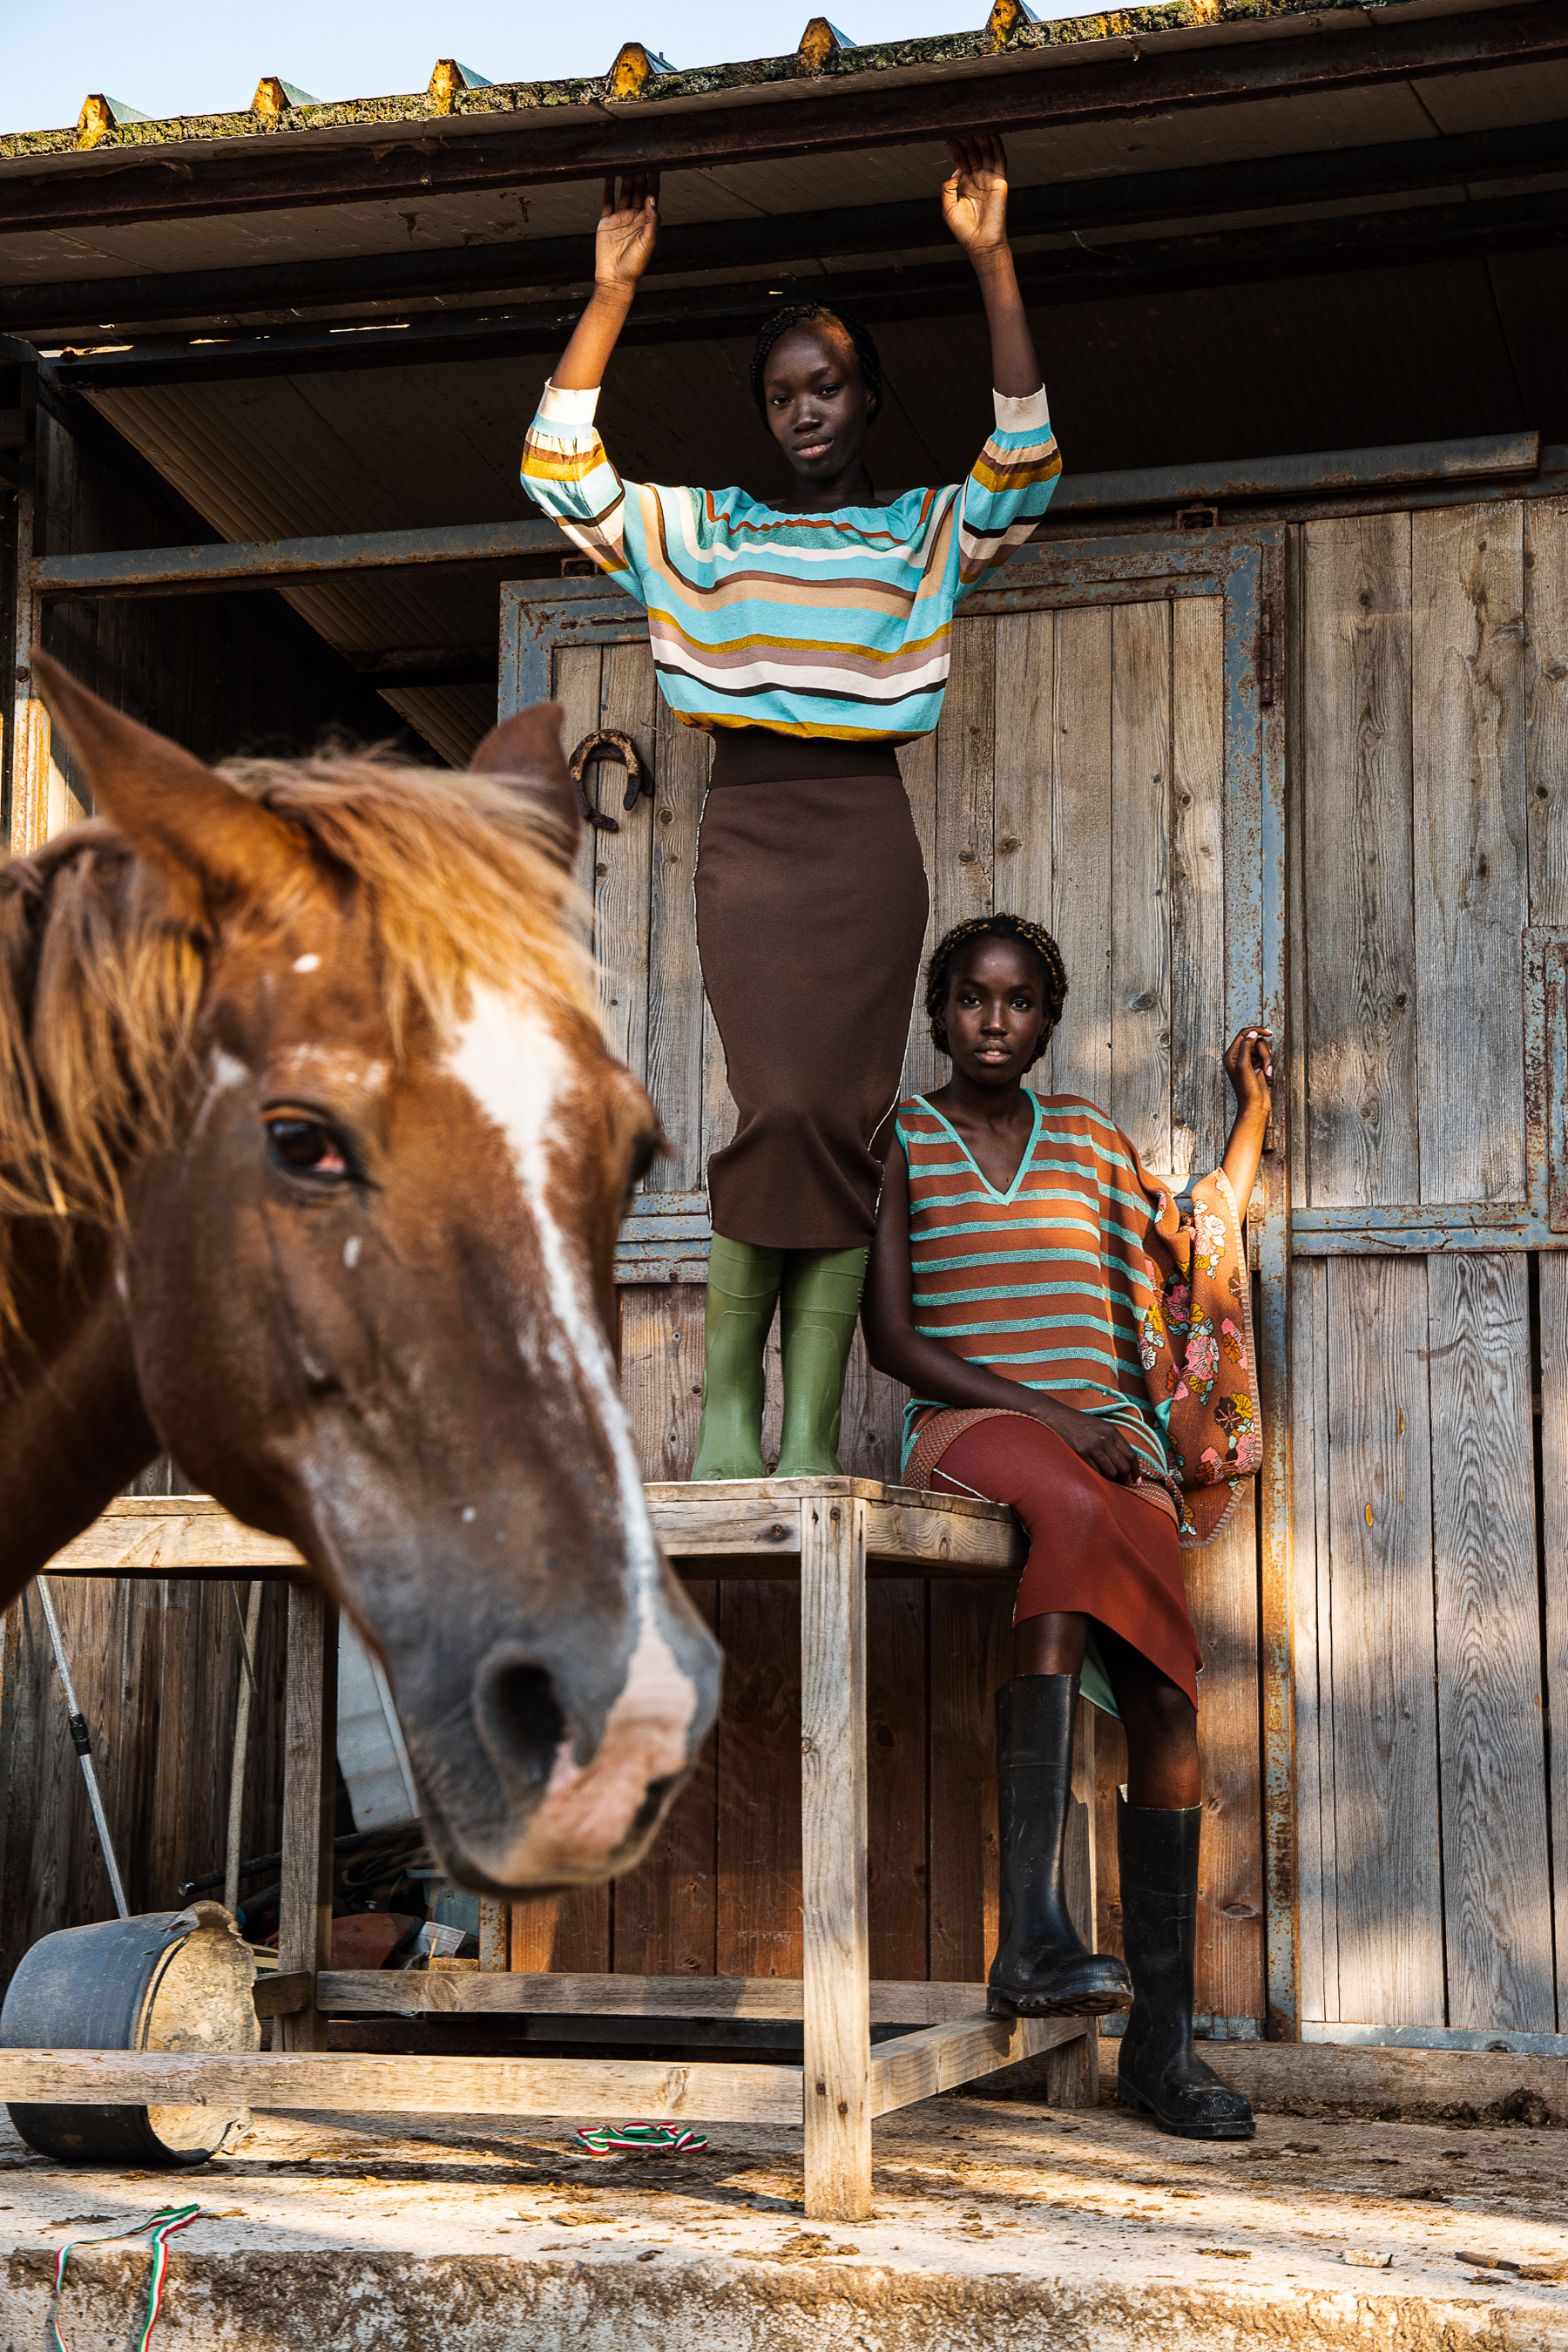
[609,743]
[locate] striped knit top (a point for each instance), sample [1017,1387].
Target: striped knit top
[1042,1283]
[836,624]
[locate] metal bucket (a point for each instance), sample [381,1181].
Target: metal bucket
[167,1981]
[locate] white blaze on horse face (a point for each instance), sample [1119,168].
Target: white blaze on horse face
[518,1072]
[307,963]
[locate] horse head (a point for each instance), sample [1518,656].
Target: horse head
[362,1251]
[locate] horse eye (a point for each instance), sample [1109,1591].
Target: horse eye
[305,1148]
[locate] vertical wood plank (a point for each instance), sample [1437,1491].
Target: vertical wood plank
[624,860]
[1384,1714]
[835,1942]
[675,980]
[667,1910]
[965,757]
[1546,705]
[1140,878]
[1310,1466]
[923,1067]
[661,1373]
[1021,879]
[1358,930]
[896,1777]
[758,1929]
[1553,1313]
[1080,1059]
[1497,1887]
[1198,1090]
[1222,1592]
[310,1794]
[576,673]
[971,1657]
[1471,903]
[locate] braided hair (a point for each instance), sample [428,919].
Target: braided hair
[816,314]
[1034,936]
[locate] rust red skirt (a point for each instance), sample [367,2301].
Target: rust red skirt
[1094,1546]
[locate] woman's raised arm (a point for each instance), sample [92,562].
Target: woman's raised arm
[1249,1066]
[622,251]
[974,206]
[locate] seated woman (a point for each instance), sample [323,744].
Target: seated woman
[1078,1348]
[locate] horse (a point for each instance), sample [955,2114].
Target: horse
[311,1165]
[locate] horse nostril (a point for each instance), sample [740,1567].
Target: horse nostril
[648,1812]
[522,1718]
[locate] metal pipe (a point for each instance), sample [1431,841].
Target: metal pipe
[241,1736]
[81,1740]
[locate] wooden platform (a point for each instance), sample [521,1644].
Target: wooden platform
[832,1534]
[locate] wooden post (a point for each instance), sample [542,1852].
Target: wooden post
[309,1805]
[494,1920]
[26,722]
[836,1952]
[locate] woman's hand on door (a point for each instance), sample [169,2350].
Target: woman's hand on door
[1249,1066]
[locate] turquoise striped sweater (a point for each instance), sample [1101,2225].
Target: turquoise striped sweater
[837,625]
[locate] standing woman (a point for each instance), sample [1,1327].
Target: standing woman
[809,637]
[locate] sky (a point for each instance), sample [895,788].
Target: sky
[180,58]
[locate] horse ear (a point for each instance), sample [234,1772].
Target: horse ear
[193,823]
[527,750]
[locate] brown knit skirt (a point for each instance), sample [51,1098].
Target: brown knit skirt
[811,911]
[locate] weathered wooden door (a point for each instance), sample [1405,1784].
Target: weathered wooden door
[1431,1293]
[1107,762]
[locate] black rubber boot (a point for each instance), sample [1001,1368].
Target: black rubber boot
[1159,2072]
[1042,1967]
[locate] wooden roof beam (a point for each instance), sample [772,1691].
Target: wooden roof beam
[702,314]
[1032,88]
[1084,208]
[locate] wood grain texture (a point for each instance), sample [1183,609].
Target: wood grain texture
[575,673]
[1314,1692]
[1554,1323]
[759,1735]
[1358,930]
[1469,879]
[965,761]
[392,1992]
[1387,1858]
[1546,705]
[681,760]
[309,1805]
[941,2057]
[836,1943]
[896,1775]
[1198,1091]
[1080,1059]
[667,1910]
[146,1538]
[923,1067]
[971,1657]
[1022,836]
[1140,877]
[1222,1593]
[1496,1885]
[623,861]
[572,2088]
[661,1373]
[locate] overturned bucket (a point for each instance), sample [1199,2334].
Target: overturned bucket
[167,1981]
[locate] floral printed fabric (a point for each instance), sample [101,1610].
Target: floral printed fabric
[1192,1299]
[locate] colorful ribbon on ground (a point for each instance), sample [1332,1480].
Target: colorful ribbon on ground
[159,2229]
[637,2139]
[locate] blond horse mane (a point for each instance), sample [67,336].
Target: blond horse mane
[101,978]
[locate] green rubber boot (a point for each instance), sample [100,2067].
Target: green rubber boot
[819,1304]
[742,1289]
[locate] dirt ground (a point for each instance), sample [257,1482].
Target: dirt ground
[996,2223]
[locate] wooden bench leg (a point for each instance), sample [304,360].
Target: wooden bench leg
[836,1957]
[309,1805]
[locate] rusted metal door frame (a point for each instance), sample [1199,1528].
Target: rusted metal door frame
[1245,566]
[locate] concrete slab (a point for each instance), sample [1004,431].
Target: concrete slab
[1006,2225]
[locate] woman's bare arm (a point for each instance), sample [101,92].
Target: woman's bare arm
[622,251]
[1249,1066]
[930,1369]
[974,206]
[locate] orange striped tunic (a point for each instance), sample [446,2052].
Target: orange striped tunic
[1087,1279]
